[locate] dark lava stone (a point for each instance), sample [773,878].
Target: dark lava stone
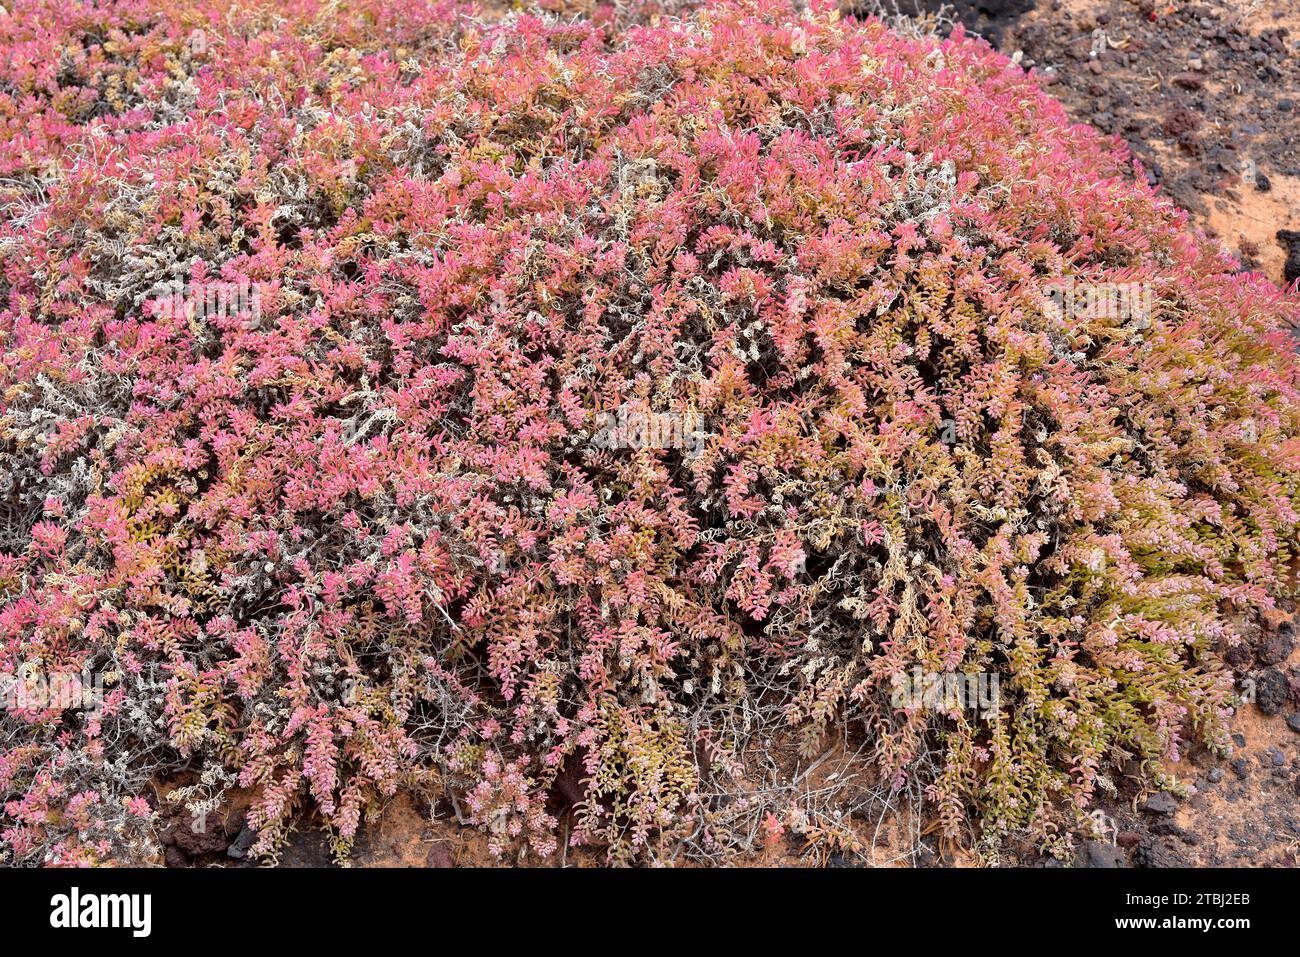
[1290,240]
[1271,691]
[1277,647]
[1100,854]
[1238,655]
[1162,803]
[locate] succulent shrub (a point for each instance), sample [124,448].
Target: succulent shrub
[578,402]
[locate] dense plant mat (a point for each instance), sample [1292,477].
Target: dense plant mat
[391,399]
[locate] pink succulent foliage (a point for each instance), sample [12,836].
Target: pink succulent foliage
[352,531]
